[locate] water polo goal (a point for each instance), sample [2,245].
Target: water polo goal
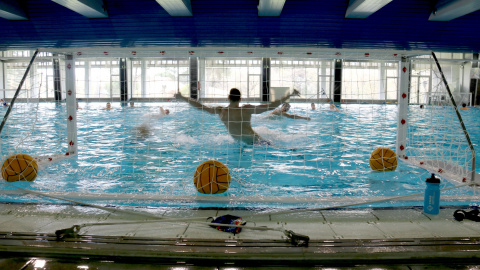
[134,155]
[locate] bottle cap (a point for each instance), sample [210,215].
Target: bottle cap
[433,179]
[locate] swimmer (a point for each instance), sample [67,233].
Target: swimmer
[132,104]
[164,112]
[313,106]
[238,118]
[421,106]
[282,111]
[108,106]
[143,130]
[464,107]
[333,107]
[4,103]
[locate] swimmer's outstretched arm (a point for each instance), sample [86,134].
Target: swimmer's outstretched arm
[294,116]
[197,104]
[274,104]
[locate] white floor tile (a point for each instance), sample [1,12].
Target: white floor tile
[356,230]
[63,223]
[401,215]
[161,230]
[111,230]
[314,230]
[471,225]
[6,218]
[207,232]
[448,229]
[404,230]
[26,224]
[362,215]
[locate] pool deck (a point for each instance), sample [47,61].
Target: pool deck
[343,236]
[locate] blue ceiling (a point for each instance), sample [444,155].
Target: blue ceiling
[400,25]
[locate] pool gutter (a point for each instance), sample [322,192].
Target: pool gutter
[243,251]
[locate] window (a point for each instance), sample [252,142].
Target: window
[104,79]
[311,77]
[223,74]
[80,84]
[46,87]
[17,53]
[369,80]
[163,78]
[420,82]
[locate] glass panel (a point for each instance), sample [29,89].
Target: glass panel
[306,75]
[100,80]
[254,83]
[223,74]
[115,86]
[80,81]
[392,88]
[162,77]
[324,87]
[419,88]
[45,80]
[363,80]
[424,86]
[17,54]
[360,80]
[183,85]
[38,84]
[414,90]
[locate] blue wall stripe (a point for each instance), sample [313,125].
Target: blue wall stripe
[402,24]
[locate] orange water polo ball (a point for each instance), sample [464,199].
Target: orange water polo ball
[383,159]
[211,177]
[19,167]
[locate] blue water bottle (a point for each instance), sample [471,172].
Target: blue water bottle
[431,204]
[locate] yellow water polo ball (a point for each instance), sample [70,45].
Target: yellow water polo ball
[19,167]
[211,177]
[383,159]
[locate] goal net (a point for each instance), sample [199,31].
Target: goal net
[438,138]
[139,146]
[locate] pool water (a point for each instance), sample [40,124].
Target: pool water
[136,151]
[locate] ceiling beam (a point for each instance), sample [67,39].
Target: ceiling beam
[11,10]
[177,8]
[361,9]
[451,9]
[270,7]
[93,9]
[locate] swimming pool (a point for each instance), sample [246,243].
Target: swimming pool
[310,162]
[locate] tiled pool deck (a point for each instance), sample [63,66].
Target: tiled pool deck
[337,237]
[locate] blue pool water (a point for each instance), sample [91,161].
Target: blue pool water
[326,157]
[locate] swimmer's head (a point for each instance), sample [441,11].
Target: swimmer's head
[313,106]
[108,105]
[235,95]
[132,104]
[285,107]
[464,105]
[167,111]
